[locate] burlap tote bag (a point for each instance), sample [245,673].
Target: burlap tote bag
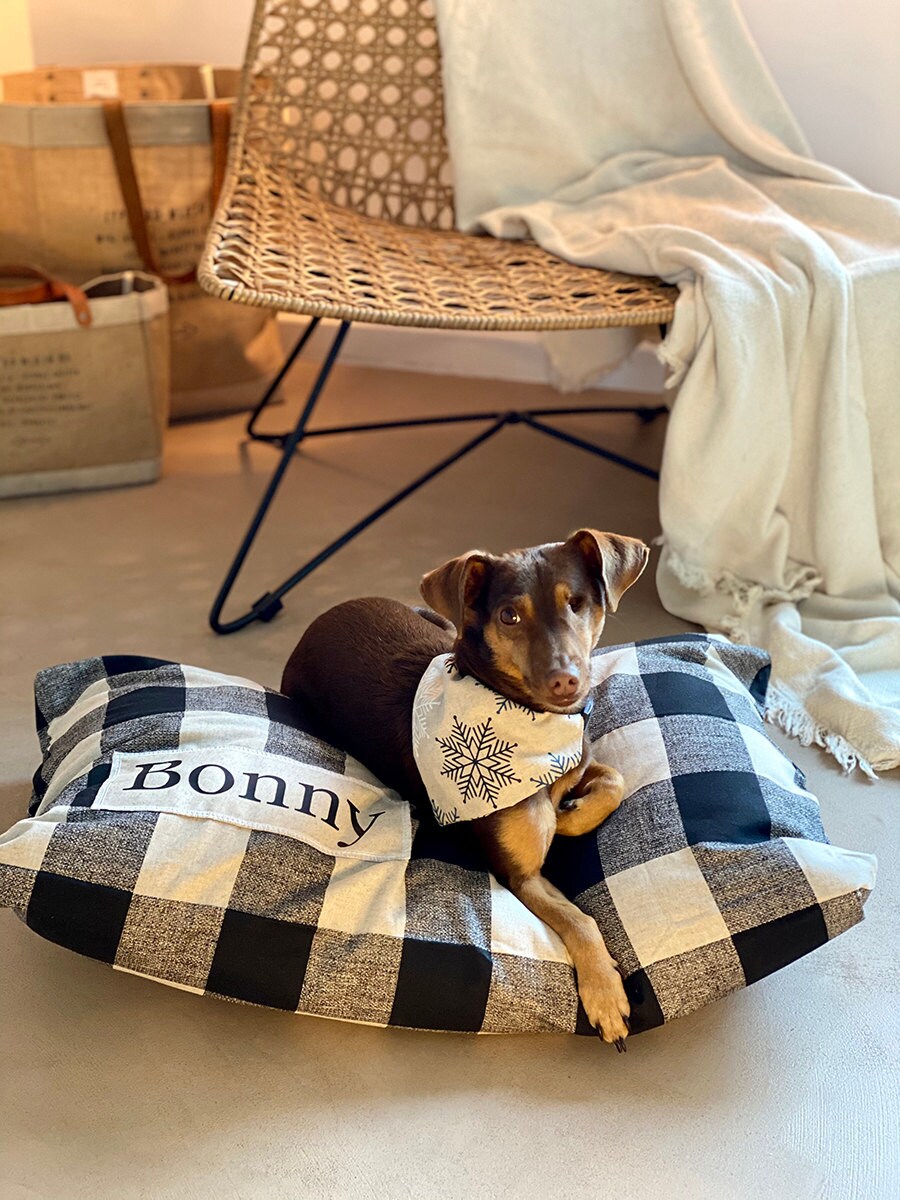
[84,381]
[80,209]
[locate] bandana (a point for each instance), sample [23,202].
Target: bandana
[478,751]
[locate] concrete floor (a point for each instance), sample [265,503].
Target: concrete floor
[114,1087]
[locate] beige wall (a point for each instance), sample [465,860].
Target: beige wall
[81,31]
[837,62]
[15,36]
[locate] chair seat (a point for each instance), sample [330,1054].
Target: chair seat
[275,244]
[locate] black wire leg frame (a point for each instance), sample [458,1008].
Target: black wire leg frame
[270,604]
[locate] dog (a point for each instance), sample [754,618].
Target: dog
[524,624]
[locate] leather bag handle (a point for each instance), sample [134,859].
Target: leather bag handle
[220,131]
[117,132]
[47,288]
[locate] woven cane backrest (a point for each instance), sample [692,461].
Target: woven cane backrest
[345,97]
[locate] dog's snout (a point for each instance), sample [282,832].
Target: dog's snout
[563,684]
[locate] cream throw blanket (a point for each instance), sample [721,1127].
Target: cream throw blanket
[647,136]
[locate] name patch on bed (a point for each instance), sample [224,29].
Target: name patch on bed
[339,815]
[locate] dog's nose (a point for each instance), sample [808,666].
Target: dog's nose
[563,685]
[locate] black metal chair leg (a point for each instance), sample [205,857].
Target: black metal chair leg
[267,606]
[645,412]
[572,440]
[279,438]
[273,599]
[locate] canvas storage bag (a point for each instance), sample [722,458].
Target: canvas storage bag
[80,210]
[84,381]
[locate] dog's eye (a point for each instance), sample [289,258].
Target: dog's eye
[509,616]
[576,603]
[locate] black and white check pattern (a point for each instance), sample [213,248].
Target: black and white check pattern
[714,872]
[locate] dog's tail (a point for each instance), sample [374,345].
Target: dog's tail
[435,618]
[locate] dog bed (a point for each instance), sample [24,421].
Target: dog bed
[184,828]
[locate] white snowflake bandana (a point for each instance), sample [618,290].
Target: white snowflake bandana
[478,751]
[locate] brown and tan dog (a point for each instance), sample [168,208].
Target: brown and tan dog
[524,624]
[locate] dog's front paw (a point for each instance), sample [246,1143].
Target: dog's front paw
[603,996]
[599,793]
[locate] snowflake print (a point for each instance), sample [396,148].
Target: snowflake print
[428,697]
[504,704]
[477,761]
[559,764]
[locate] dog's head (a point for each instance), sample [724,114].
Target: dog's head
[527,621]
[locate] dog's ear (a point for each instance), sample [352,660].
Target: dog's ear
[455,587]
[614,561]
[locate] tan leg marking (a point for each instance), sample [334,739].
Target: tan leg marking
[599,982]
[518,841]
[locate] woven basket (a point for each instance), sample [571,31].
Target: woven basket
[84,383]
[63,206]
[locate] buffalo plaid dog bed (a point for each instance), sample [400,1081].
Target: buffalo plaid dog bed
[184,828]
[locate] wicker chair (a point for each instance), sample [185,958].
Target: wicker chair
[338,202]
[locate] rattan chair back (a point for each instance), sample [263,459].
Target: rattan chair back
[346,97]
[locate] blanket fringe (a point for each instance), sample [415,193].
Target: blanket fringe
[781,709]
[744,594]
[796,722]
